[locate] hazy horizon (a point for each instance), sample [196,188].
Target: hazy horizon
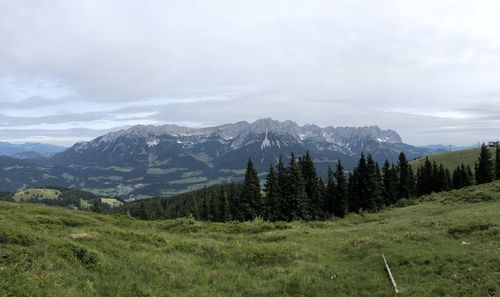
[74,71]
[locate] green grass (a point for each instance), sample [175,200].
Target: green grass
[35,194]
[113,202]
[452,160]
[442,245]
[156,170]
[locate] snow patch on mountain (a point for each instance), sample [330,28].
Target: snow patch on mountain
[265,143]
[152,142]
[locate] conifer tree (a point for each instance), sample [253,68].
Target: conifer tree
[143,214]
[458,181]
[425,180]
[339,208]
[224,210]
[96,207]
[375,201]
[390,191]
[250,198]
[234,202]
[284,207]
[311,185]
[484,166]
[360,187]
[404,179]
[298,196]
[352,203]
[330,193]
[322,198]
[271,188]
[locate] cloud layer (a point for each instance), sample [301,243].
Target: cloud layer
[72,71]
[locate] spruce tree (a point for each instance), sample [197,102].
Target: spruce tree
[390,192]
[352,203]
[339,208]
[330,193]
[458,176]
[283,208]
[250,198]
[224,211]
[311,185]
[234,202]
[300,205]
[271,188]
[484,166]
[404,179]
[375,200]
[96,207]
[143,213]
[360,186]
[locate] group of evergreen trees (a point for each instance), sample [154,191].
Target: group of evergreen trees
[294,191]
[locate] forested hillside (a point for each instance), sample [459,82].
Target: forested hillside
[295,192]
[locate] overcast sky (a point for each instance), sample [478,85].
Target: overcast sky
[73,70]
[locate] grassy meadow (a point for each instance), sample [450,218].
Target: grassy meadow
[452,160]
[445,244]
[35,194]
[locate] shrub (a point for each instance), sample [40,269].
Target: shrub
[77,253]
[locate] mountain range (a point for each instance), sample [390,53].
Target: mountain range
[28,150]
[145,161]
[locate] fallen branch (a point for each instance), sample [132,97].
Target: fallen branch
[393,282]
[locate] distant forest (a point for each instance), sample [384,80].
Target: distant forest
[295,192]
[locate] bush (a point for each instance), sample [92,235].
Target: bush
[16,237]
[77,253]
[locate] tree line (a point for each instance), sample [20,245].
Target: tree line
[294,191]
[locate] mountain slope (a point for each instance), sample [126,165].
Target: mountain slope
[443,245]
[146,161]
[9,149]
[453,159]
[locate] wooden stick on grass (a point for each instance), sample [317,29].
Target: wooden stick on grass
[393,282]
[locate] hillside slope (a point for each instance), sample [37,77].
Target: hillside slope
[443,245]
[451,160]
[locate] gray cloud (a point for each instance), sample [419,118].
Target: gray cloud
[418,68]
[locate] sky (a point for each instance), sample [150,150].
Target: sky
[73,70]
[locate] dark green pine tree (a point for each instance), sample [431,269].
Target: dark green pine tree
[330,193]
[205,208]
[361,186]
[376,201]
[484,166]
[224,214]
[442,179]
[213,210]
[457,178]
[234,202]
[404,178]
[298,197]
[311,185]
[284,207]
[340,206]
[425,179]
[390,179]
[250,198]
[143,213]
[96,207]
[272,199]
[497,161]
[352,203]
[322,197]
[468,176]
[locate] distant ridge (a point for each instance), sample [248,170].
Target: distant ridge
[145,160]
